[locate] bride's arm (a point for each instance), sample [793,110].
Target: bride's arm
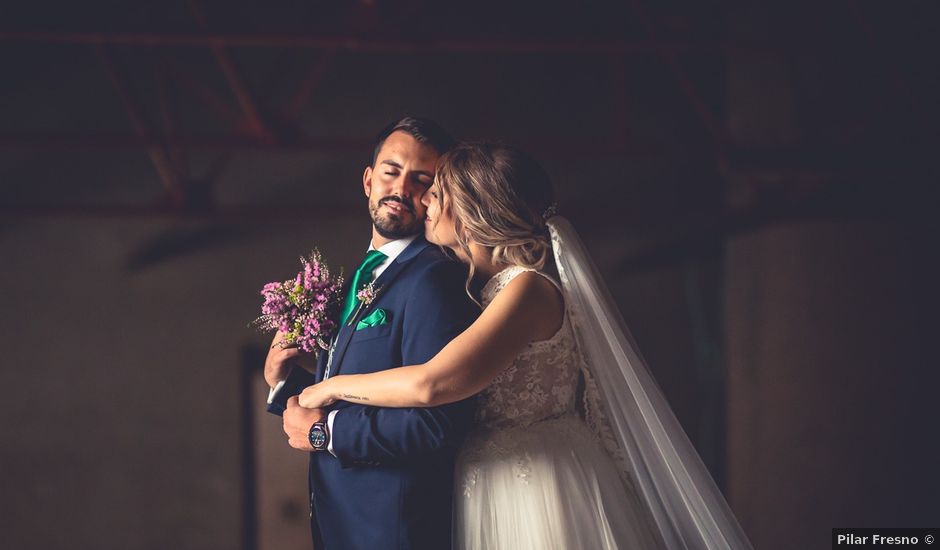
[528,309]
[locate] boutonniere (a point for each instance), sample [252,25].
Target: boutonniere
[366,296]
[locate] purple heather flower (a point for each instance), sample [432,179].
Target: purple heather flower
[270,287]
[303,303]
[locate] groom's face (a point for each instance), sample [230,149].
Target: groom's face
[403,171]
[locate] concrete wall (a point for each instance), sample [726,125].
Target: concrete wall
[121,414]
[829,382]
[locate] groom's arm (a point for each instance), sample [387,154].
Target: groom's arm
[438,310]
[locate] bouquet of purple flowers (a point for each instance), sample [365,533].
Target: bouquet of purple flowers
[305,307]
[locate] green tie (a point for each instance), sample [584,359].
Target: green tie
[361,278]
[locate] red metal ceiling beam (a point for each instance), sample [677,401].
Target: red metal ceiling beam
[308,85]
[236,213]
[123,141]
[573,45]
[256,124]
[715,127]
[203,93]
[252,116]
[832,156]
[279,213]
[581,148]
[166,99]
[158,155]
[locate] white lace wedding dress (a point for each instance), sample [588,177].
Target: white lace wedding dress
[543,470]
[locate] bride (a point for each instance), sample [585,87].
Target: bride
[574,446]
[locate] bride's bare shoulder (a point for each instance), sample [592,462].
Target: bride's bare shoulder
[538,297]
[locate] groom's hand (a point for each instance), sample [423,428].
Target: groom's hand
[281,357]
[297,423]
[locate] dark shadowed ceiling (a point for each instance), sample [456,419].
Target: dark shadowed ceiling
[671,120]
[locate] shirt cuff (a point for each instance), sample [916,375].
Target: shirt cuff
[273,390]
[329,426]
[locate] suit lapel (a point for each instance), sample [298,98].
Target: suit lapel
[382,284]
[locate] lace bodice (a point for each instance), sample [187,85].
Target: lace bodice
[540,383]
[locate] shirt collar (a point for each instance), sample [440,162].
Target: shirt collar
[394,248]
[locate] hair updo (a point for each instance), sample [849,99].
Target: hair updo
[498,196]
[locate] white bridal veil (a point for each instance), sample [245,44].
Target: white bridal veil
[688,508]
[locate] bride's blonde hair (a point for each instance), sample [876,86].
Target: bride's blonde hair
[500,199]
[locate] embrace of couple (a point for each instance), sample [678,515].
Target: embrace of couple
[489,396]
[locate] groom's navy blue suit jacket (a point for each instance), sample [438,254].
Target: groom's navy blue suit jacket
[390,485]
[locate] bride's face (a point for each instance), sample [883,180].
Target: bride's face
[438,223]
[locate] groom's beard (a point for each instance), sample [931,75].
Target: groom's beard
[396,226]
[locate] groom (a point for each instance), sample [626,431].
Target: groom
[383,477]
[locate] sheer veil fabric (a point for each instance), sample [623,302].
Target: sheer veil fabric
[687,507]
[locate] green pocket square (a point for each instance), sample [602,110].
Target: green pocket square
[374,319]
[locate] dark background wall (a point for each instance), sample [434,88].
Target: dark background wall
[753,181]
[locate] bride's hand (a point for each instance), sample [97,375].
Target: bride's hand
[317,396]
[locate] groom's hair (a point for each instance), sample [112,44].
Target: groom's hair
[424,131]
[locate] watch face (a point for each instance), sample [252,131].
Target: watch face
[317,436]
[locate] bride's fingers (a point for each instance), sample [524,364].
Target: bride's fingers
[302,398]
[310,398]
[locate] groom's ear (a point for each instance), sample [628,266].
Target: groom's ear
[367,181]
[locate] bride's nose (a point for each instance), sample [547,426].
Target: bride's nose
[426,198]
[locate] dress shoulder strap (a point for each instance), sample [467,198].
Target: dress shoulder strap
[504,277]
